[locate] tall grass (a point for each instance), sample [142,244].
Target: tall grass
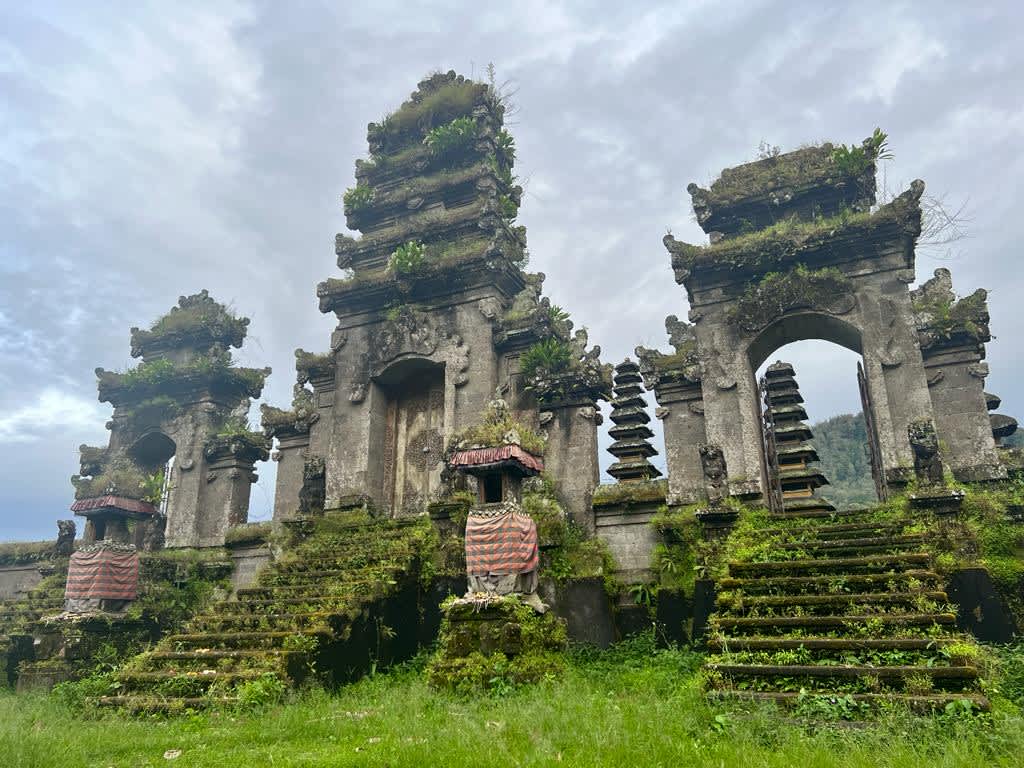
[634,706]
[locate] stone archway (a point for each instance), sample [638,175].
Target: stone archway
[796,253]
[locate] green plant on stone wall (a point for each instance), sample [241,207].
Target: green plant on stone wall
[551,355]
[854,161]
[357,198]
[506,147]
[451,138]
[408,259]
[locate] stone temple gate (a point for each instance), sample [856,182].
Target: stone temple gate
[799,250]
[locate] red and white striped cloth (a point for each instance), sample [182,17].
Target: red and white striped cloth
[103,573]
[500,544]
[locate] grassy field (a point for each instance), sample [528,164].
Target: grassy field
[629,707]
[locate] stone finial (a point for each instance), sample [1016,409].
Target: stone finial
[632,446]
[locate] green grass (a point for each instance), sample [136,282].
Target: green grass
[631,706]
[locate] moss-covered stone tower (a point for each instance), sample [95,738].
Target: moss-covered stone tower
[434,315]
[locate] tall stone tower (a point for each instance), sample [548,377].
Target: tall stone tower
[434,313]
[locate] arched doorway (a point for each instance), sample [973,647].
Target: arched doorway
[154,454]
[827,354]
[831,399]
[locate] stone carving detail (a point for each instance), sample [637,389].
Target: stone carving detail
[412,334]
[65,537]
[682,365]
[426,449]
[712,463]
[313,492]
[936,377]
[978,370]
[925,445]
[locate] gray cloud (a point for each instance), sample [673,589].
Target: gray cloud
[149,151]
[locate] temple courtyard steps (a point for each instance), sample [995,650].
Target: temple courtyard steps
[840,605]
[19,615]
[329,609]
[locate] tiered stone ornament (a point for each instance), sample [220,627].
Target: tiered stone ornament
[632,447]
[798,478]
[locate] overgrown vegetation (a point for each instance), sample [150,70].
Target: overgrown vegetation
[199,317]
[451,138]
[408,259]
[358,198]
[548,356]
[500,427]
[855,161]
[634,703]
[946,319]
[778,292]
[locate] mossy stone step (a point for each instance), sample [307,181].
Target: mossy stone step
[841,530]
[826,584]
[917,703]
[862,544]
[846,598]
[314,588]
[253,605]
[834,622]
[335,561]
[214,655]
[195,680]
[224,640]
[901,561]
[755,643]
[844,671]
[164,705]
[241,622]
[812,513]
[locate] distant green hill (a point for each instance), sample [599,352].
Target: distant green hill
[843,447]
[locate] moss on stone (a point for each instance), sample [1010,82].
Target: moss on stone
[946,319]
[198,320]
[498,428]
[778,292]
[637,492]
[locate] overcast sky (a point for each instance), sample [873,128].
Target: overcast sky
[149,150]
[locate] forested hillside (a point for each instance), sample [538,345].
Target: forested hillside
[843,447]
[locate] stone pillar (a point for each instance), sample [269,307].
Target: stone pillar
[571,456]
[291,458]
[681,410]
[956,382]
[229,479]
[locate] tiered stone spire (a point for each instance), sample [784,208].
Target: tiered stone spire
[795,453]
[631,448]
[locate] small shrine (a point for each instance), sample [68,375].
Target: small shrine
[502,554]
[798,479]
[631,447]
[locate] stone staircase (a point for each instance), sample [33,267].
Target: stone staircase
[844,604]
[18,615]
[341,601]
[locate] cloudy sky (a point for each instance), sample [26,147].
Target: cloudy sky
[148,150]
